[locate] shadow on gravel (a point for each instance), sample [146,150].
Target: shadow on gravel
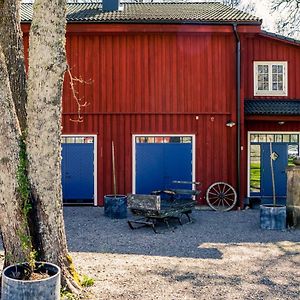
[89,231]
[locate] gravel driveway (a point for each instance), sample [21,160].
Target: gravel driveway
[218,256]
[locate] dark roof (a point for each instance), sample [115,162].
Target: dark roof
[152,13]
[272,107]
[280,37]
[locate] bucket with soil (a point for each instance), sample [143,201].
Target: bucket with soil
[19,282]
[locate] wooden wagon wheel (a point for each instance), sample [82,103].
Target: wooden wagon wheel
[221,196]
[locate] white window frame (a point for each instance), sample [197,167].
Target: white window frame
[270,92]
[95,160]
[134,136]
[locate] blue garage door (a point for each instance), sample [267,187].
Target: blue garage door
[78,170]
[161,160]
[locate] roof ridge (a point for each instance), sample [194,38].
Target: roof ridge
[162,12]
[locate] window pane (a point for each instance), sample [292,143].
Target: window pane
[294,138]
[293,150]
[254,138]
[270,137]
[280,86]
[88,140]
[274,86]
[186,139]
[278,138]
[286,138]
[144,139]
[280,69]
[255,168]
[262,138]
[260,69]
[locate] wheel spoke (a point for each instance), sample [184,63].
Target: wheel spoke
[219,186]
[214,193]
[212,203]
[213,188]
[228,204]
[213,198]
[228,189]
[224,187]
[229,194]
[228,199]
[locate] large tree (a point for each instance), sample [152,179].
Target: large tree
[31,217]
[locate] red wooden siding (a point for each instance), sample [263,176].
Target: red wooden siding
[268,49]
[142,73]
[154,84]
[215,144]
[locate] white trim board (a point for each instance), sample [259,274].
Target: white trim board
[95,160]
[162,135]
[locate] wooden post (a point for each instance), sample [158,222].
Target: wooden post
[293,196]
[114,168]
[273,175]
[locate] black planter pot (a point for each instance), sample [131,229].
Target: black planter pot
[115,206]
[19,289]
[273,217]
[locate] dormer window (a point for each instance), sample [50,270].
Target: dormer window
[270,78]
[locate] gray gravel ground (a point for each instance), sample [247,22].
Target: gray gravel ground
[218,256]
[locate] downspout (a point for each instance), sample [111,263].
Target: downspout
[238,107]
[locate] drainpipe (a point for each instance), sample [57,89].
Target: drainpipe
[238,107]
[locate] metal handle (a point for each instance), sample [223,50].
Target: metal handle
[186,182]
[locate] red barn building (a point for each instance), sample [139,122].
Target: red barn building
[188,91]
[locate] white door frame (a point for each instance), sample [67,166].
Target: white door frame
[95,159]
[162,135]
[248,151]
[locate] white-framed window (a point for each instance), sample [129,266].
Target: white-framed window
[270,78]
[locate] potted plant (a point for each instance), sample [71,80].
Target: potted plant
[273,216]
[33,280]
[115,205]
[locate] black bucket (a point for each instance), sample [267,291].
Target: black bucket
[19,289]
[115,206]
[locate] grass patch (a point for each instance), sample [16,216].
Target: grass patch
[87,281]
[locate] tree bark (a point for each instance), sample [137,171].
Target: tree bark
[13,223]
[47,64]
[12,45]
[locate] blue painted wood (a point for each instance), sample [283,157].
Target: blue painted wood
[279,166]
[78,172]
[273,218]
[157,165]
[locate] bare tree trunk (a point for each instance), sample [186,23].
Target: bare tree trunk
[12,45]
[13,223]
[47,64]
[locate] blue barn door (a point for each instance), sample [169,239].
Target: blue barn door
[280,162]
[78,172]
[158,164]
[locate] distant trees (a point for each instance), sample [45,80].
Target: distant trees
[288,20]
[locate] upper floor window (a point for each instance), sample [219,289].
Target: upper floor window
[270,78]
